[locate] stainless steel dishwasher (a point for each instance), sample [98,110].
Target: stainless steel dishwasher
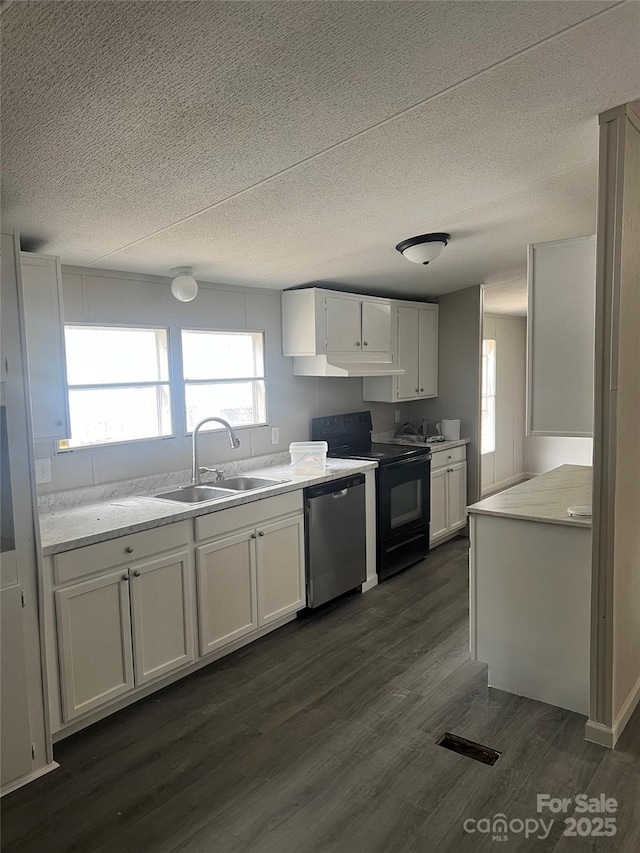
[335,538]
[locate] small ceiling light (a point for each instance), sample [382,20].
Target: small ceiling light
[424,248]
[184,286]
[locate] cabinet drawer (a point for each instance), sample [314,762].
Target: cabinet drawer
[115,552]
[248,515]
[442,458]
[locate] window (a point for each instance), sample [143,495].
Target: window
[223,377]
[118,384]
[488,421]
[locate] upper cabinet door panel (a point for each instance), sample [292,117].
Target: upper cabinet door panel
[376,327]
[561,337]
[344,332]
[408,352]
[428,352]
[44,324]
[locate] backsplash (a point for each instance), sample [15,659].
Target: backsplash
[145,485]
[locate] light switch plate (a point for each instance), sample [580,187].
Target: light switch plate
[275,435]
[43,471]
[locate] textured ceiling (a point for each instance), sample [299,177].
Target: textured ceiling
[281,143]
[509,299]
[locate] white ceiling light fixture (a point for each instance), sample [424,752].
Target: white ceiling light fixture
[424,248]
[184,286]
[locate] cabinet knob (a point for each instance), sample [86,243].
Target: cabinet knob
[125,577]
[261,533]
[448,457]
[416,390]
[129,548]
[357,343]
[253,535]
[366,343]
[422,390]
[59,423]
[136,574]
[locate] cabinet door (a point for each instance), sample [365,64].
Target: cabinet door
[44,328]
[438,526]
[457,495]
[14,696]
[376,327]
[408,352]
[428,352]
[281,578]
[343,324]
[94,638]
[161,608]
[226,578]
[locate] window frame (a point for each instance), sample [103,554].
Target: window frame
[184,382]
[494,396]
[89,324]
[176,382]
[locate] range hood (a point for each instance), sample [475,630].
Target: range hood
[328,365]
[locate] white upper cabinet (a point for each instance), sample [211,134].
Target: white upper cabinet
[414,347]
[561,337]
[330,333]
[44,325]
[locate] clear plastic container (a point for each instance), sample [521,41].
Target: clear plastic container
[308,458]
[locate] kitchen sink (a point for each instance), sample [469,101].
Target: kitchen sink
[247,484]
[195,494]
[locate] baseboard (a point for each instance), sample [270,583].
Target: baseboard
[598,733]
[628,707]
[370,583]
[30,777]
[609,735]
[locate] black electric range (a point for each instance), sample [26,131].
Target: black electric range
[403,487]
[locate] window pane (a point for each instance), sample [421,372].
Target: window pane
[240,403]
[104,415]
[97,355]
[488,425]
[222,355]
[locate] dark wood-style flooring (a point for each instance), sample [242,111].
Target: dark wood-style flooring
[320,738]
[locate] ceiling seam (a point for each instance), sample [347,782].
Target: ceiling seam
[407,110]
[426,225]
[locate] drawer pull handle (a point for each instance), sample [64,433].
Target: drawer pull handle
[129,548]
[136,574]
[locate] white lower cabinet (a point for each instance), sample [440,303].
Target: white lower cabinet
[280,569]
[248,580]
[161,611]
[94,643]
[448,493]
[226,579]
[122,612]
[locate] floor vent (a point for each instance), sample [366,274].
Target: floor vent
[469,748]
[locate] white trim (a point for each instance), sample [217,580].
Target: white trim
[598,733]
[30,777]
[609,736]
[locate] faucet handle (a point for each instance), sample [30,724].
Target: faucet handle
[217,471]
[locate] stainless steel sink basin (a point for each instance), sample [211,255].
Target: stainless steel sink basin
[247,484]
[195,494]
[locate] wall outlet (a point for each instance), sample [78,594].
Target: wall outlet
[43,471]
[396,416]
[275,435]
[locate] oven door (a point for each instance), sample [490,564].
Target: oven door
[403,497]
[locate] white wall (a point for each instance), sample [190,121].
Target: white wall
[103,296]
[544,452]
[506,465]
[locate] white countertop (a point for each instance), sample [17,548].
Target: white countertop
[66,529]
[544,498]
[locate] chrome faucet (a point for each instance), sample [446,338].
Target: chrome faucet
[196,470]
